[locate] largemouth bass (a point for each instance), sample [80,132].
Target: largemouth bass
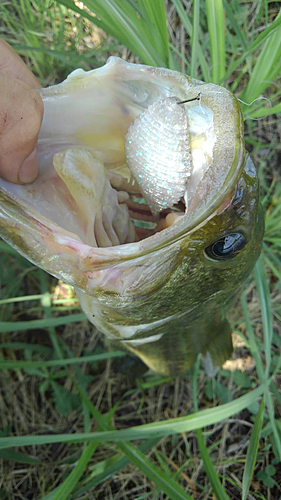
[153,216]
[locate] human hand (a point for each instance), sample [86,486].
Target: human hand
[21,113]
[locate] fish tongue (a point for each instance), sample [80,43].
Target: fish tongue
[105,218]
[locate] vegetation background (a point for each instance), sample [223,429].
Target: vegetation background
[73,423]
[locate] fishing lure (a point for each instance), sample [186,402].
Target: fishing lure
[158,152]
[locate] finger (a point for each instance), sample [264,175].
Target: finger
[12,65]
[21,112]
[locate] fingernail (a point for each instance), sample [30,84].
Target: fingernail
[29,169]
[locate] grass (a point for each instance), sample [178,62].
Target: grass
[73,424]
[53,39]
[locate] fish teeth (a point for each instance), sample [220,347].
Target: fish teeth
[158,153]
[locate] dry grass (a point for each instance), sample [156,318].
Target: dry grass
[24,410]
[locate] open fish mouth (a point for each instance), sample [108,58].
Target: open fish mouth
[103,147]
[145,202]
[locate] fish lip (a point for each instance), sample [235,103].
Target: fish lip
[189,221]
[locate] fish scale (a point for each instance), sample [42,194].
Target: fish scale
[158,153]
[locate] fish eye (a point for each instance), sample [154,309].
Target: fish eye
[226,247]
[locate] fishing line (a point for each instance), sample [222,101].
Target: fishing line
[261,98]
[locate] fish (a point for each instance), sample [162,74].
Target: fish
[156,244]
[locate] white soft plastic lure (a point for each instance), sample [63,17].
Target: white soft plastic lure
[159,154]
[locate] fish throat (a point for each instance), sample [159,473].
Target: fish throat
[168,149]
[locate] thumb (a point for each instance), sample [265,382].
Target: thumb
[21,112]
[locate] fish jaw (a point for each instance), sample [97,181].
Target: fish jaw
[93,110]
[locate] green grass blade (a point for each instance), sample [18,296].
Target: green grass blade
[154,430]
[125,22]
[195,37]
[24,345]
[113,469]
[164,483]
[188,28]
[71,481]
[273,262]
[109,471]
[23,298]
[210,470]
[252,452]
[259,113]
[276,434]
[232,17]
[215,18]
[48,314]
[267,67]
[252,339]
[7,327]
[276,393]
[264,297]
[69,58]
[135,455]
[179,54]
[258,41]
[156,12]
[16,365]
[18,457]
